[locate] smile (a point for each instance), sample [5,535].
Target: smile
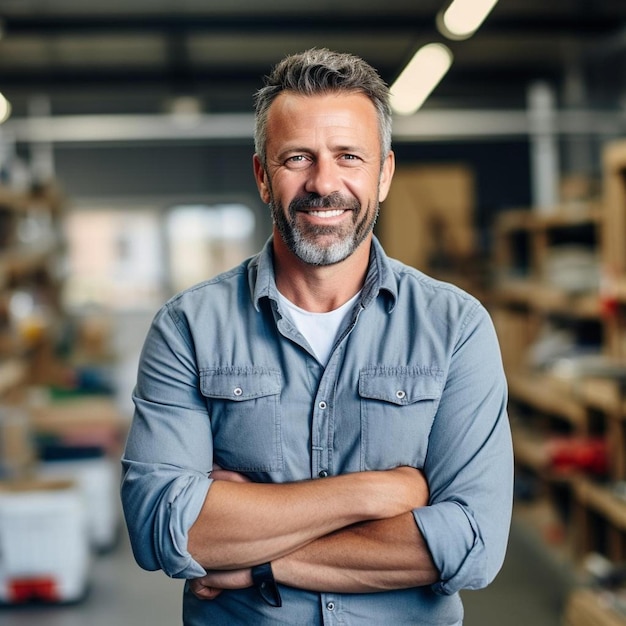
[327,213]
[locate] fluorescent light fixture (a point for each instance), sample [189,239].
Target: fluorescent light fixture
[418,79]
[5,109]
[463,17]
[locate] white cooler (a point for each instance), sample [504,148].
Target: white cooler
[44,542]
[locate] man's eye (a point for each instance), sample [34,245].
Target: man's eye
[297,161]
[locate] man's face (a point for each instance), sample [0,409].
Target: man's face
[323,177]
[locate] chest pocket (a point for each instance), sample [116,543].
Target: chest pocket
[398,406]
[244,405]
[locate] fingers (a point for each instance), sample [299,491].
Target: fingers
[203,592]
[221,474]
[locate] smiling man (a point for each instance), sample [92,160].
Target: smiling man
[320,434]
[323,153]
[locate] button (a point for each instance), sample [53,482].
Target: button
[400,394]
[237,391]
[330,606]
[322,405]
[323,473]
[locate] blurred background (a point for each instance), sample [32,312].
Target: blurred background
[125,176]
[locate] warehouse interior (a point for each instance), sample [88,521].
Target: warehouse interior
[126,176]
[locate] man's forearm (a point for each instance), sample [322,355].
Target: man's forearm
[242,524]
[366,557]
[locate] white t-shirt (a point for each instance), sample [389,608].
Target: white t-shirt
[319,329]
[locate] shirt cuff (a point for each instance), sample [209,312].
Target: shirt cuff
[455,546]
[185,499]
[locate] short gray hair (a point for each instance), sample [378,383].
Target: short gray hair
[319,71]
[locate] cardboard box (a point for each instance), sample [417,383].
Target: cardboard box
[429,214]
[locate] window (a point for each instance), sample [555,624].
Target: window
[134,258]
[205,240]
[114,258]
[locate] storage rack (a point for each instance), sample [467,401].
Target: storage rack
[31,252]
[560,401]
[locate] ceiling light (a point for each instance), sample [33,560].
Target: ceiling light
[185,110]
[418,79]
[463,17]
[5,109]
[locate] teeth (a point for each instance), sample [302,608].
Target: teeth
[333,213]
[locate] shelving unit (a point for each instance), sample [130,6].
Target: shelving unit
[559,305]
[59,440]
[31,248]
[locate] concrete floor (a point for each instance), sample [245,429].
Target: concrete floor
[528,591]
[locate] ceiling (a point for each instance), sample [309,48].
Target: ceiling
[136,56]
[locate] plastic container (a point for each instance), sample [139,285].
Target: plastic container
[44,543]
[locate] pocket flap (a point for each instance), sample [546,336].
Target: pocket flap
[403,385]
[240,383]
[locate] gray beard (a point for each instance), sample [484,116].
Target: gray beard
[303,241]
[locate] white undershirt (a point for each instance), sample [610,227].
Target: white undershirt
[319,329]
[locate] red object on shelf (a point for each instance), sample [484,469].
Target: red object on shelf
[587,454]
[609,302]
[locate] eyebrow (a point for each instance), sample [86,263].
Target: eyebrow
[352,149]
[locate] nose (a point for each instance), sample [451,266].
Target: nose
[323,177]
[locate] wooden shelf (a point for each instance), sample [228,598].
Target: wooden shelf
[22,261]
[12,374]
[547,298]
[530,450]
[586,607]
[12,200]
[599,393]
[541,392]
[618,290]
[27,267]
[584,396]
[558,217]
[602,501]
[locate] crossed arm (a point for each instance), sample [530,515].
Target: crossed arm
[350,533]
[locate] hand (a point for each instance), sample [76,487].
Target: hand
[210,586]
[218,473]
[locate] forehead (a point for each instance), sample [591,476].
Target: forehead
[296,114]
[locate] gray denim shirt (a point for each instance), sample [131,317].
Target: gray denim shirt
[415,378]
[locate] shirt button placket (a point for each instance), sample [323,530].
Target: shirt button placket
[322,406]
[330,614]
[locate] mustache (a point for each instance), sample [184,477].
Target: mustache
[332,201]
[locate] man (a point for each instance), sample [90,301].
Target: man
[320,434]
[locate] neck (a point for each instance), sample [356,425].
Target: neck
[319,289]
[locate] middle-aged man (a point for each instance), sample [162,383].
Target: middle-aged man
[320,434]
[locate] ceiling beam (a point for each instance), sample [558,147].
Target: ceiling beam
[581,24]
[423,126]
[232,75]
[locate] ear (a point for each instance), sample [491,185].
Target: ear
[386,175]
[260,175]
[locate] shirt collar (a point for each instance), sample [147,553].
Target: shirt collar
[379,278]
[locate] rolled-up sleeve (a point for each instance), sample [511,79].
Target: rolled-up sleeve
[169,453]
[469,464]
